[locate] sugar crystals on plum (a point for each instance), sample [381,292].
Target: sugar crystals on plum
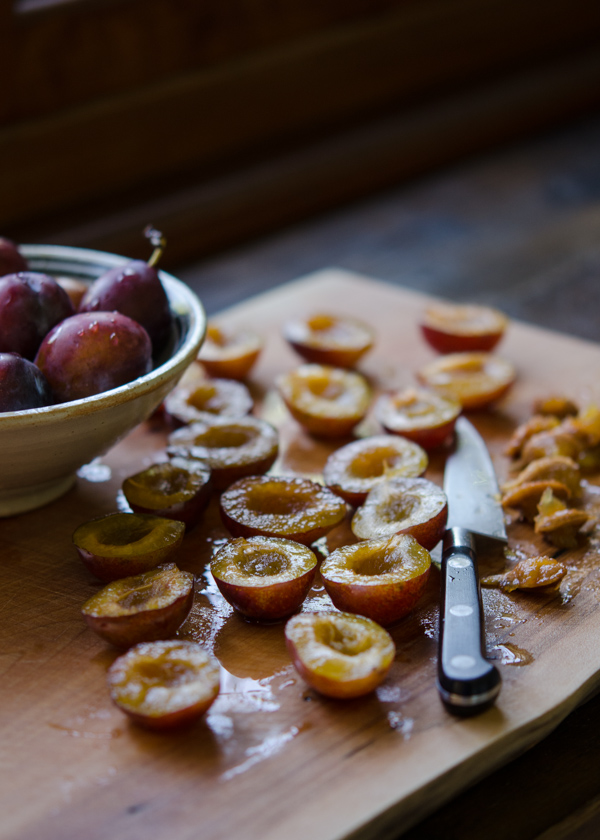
[143,608]
[165,684]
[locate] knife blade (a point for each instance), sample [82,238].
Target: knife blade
[467,682]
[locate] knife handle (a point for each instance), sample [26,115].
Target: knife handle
[467,682]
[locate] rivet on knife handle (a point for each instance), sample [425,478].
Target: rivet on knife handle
[467,682]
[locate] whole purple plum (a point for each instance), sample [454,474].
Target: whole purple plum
[11,260]
[134,290]
[22,384]
[30,305]
[92,352]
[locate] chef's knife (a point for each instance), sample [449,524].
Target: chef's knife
[467,682]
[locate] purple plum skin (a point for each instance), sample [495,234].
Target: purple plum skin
[134,290]
[22,384]
[30,305]
[11,261]
[93,352]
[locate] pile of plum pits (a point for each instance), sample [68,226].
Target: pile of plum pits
[267,567]
[62,340]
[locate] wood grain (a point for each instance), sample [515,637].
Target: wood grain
[272,758]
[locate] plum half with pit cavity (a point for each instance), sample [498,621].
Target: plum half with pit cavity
[288,507]
[339,654]
[413,506]
[191,402]
[229,352]
[232,447]
[327,339]
[141,608]
[382,579]
[458,328]
[122,544]
[354,469]
[170,491]
[328,401]
[418,414]
[264,578]
[165,684]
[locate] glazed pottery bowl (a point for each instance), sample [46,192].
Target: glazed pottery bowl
[43,448]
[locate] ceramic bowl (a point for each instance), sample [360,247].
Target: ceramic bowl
[43,448]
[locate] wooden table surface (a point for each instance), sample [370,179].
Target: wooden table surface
[272,758]
[517,228]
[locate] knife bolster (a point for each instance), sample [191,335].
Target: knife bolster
[458,538]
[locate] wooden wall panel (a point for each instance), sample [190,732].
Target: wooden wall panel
[133,101]
[68,53]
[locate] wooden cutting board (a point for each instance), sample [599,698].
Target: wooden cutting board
[272,759]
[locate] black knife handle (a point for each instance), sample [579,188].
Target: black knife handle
[467,682]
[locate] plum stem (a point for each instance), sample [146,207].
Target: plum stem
[156,239]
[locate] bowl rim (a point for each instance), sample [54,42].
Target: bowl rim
[178,292]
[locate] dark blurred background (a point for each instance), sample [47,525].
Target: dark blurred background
[448,145]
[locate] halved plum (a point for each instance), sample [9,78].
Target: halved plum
[164,684]
[170,491]
[264,578]
[413,506]
[419,414]
[122,544]
[475,380]
[232,447]
[382,578]
[328,401]
[326,339]
[340,655]
[141,608]
[354,469]
[292,508]
[229,352]
[190,403]
[458,328]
